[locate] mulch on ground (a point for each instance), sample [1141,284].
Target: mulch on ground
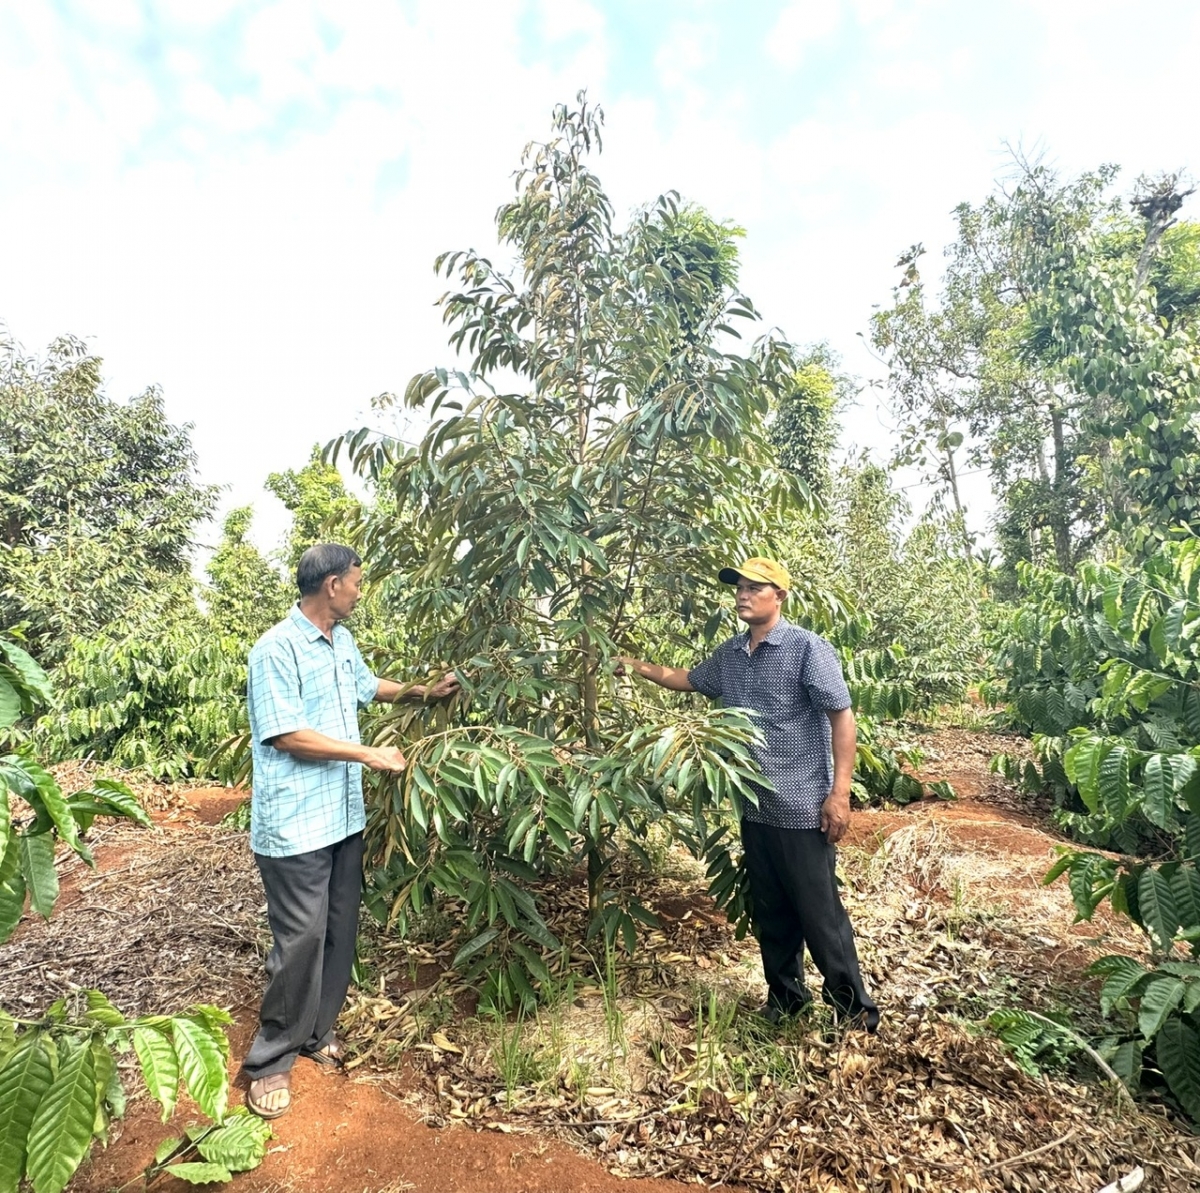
[953,922]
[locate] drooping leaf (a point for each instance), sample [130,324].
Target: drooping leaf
[160,1066]
[1159,998]
[24,1079]
[12,889]
[1125,976]
[101,1010]
[10,704]
[1156,902]
[1177,1049]
[117,800]
[61,1131]
[37,867]
[1158,792]
[239,1143]
[200,1174]
[202,1064]
[167,1148]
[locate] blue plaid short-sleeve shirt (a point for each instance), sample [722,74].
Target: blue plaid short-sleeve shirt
[790,682]
[299,679]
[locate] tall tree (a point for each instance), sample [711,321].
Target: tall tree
[804,431]
[597,461]
[246,594]
[984,370]
[316,497]
[98,500]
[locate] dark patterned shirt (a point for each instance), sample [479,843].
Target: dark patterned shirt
[790,682]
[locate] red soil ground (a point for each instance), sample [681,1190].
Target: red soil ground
[355,1134]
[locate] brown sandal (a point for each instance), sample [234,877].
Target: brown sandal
[269,1084]
[332,1055]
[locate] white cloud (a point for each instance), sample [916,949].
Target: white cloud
[215,220]
[801,25]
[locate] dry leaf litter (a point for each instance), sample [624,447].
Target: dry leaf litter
[663,1073]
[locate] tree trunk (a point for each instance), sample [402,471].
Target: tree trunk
[952,474]
[595,882]
[1060,521]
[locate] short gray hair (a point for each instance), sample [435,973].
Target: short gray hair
[320,562]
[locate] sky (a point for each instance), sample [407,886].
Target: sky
[240,201]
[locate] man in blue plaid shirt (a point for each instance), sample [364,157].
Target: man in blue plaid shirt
[307,682]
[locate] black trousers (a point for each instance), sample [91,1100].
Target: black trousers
[312,906]
[795,902]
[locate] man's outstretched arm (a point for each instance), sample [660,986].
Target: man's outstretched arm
[675,678]
[391,692]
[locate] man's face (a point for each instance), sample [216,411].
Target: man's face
[757,601]
[344,592]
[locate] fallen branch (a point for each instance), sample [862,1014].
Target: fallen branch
[1037,1151]
[1128,1183]
[1097,1059]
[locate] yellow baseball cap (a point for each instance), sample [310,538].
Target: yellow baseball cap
[759,569]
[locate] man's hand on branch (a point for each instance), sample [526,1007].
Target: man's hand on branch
[448,685]
[384,758]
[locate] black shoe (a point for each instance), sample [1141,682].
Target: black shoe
[774,1014]
[865,1020]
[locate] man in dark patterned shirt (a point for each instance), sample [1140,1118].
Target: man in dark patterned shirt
[791,679]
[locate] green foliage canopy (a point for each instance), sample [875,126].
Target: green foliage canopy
[98,500]
[548,523]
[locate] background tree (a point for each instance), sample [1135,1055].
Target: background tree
[98,500]
[246,594]
[316,497]
[804,430]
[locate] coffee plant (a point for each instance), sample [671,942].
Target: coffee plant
[59,1085]
[1104,671]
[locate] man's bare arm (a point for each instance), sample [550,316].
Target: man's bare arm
[675,678]
[391,692]
[835,811]
[310,746]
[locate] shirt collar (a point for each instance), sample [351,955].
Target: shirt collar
[309,631]
[775,637]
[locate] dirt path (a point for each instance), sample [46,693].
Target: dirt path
[381,1129]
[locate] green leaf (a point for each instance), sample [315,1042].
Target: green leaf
[37,866]
[1185,886]
[239,1143]
[167,1148]
[10,704]
[160,1066]
[1156,902]
[1114,782]
[200,1174]
[24,1079]
[5,821]
[117,799]
[1123,981]
[1158,1000]
[28,670]
[1177,1049]
[202,1064]
[101,1010]
[1158,793]
[108,1083]
[12,889]
[61,1131]
[47,798]
[473,946]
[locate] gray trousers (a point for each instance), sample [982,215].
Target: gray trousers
[312,906]
[795,902]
